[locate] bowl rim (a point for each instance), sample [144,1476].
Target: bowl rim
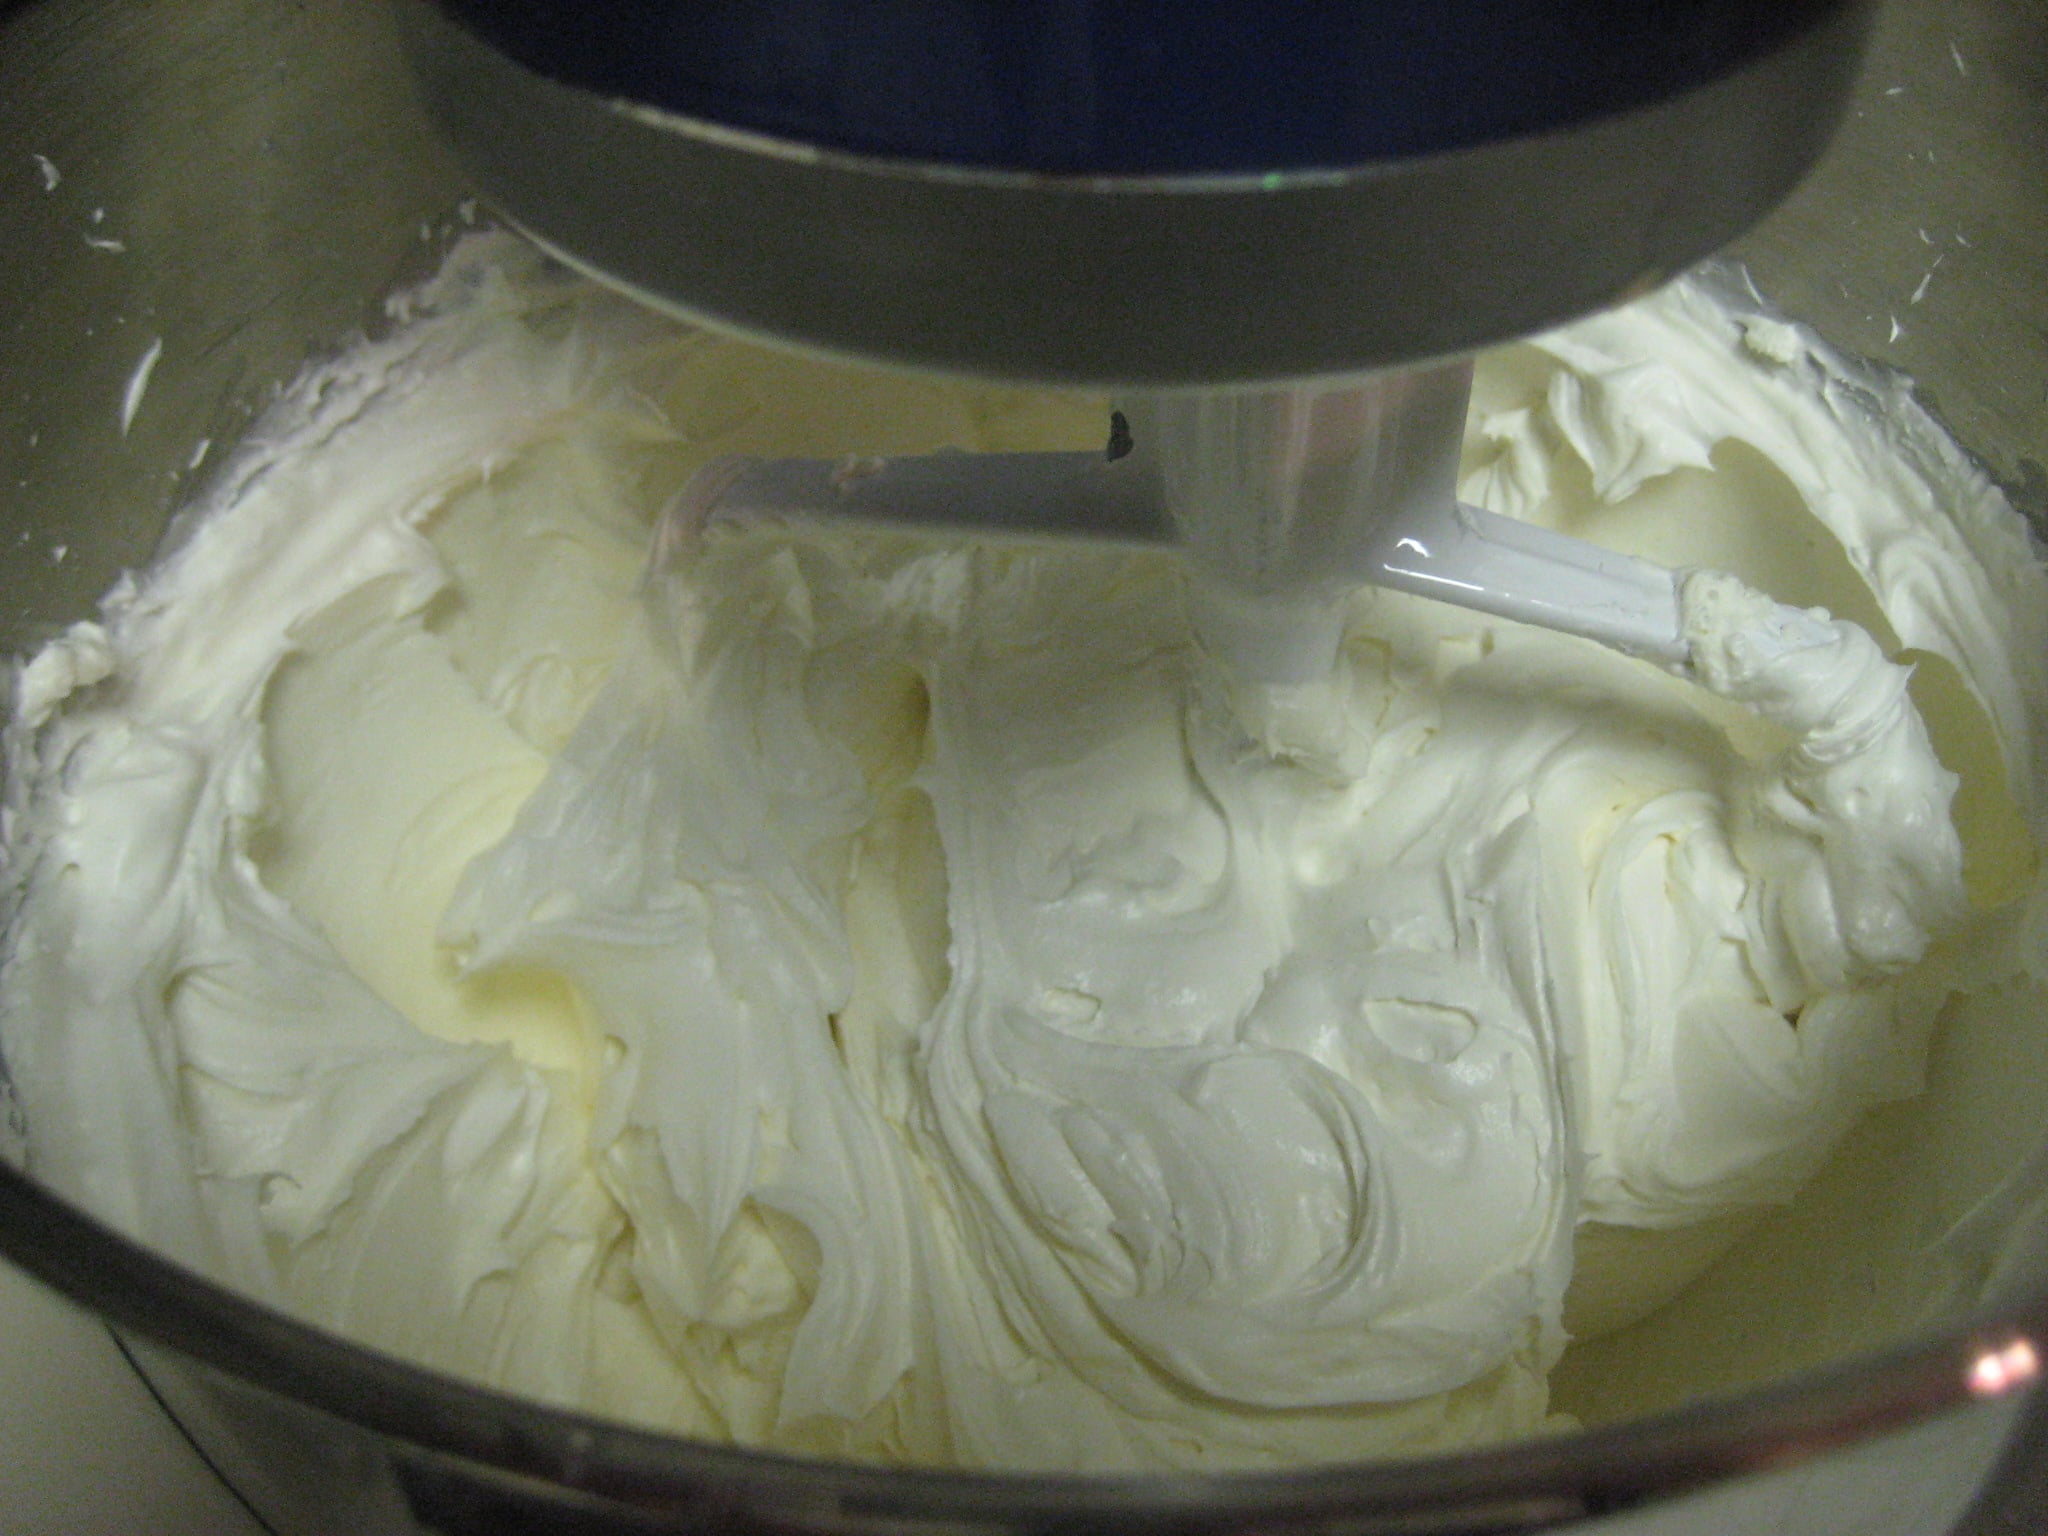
[1530,1482]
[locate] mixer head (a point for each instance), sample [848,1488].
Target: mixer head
[1196,204]
[1110,195]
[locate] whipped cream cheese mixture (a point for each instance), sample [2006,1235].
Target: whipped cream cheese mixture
[902,999]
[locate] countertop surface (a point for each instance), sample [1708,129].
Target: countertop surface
[85,1448]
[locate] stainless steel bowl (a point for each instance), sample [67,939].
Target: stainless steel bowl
[230,187]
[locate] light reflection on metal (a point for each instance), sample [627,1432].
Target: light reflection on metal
[1432,578]
[1998,1371]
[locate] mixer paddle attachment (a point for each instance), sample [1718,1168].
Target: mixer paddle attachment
[1281,500]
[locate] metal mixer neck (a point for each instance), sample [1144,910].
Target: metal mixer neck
[1283,499]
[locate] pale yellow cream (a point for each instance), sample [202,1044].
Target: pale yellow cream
[902,999]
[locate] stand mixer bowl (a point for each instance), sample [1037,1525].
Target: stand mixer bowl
[271,177]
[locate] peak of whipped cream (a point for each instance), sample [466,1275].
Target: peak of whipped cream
[898,999]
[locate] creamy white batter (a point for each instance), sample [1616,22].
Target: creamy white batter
[902,999]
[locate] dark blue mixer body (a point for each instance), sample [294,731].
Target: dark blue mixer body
[1165,87]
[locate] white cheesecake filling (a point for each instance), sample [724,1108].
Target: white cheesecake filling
[901,999]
